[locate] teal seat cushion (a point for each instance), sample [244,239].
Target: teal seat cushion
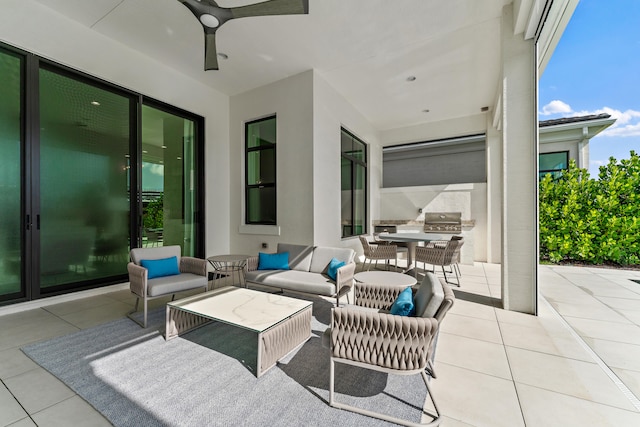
[403,305]
[277,261]
[161,267]
[334,265]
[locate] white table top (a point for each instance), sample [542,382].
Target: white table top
[246,308]
[387,278]
[412,237]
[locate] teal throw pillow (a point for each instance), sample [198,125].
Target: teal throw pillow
[403,305]
[161,267]
[278,261]
[334,265]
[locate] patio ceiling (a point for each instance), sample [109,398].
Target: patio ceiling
[366,49]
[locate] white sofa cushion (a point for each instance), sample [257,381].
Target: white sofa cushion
[299,255]
[294,280]
[322,256]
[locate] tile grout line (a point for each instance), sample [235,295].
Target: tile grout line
[612,375]
[506,355]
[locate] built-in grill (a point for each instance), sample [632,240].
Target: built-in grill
[443,222]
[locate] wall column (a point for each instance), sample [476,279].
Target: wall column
[494,192]
[519,166]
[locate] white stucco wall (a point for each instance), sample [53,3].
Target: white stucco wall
[309,114]
[28,25]
[291,100]
[331,112]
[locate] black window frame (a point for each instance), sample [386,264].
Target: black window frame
[260,185]
[345,233]
[555,173]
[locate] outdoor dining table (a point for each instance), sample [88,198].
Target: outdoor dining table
[412,239]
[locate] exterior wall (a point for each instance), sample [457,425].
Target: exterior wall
[519,170]
[291,100]
[331,112]
[310,114]
[571,147]
[402,203]
[29,25]
[494,193]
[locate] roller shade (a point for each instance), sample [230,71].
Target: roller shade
[449,161]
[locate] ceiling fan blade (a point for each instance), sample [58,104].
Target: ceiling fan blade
[210,52]
[272,7]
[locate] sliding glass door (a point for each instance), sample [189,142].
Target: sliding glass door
[84,180]
[168,179]
[11,146]
[88,171]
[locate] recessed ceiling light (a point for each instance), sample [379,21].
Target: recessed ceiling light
[95,103]
[164,146]
[425,111]
[223,55]
[127,156]
[411,78]
[179,158]
[144,151]
[483,109]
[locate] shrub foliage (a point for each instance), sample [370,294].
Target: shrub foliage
[592,221]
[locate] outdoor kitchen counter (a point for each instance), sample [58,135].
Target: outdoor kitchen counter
[416,223]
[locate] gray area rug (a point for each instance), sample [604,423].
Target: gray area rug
[207,378]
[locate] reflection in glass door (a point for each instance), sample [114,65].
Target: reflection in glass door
[11,261]
[84,181]
[168,180]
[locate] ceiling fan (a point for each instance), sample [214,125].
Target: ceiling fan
[212,16]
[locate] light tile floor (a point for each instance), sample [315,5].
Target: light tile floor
[575,364]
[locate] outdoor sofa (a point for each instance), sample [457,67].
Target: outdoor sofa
[306,270]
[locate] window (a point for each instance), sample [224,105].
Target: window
[354,185]
[553,163]
[260,167]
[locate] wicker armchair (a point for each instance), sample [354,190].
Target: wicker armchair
[444,255]
[368,336]
[193,275]
[384,252]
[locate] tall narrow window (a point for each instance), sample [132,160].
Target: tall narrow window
[354,185]
[260,167]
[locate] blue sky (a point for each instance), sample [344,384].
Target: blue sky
[596,69]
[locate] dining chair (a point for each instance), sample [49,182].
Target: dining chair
[378,252]
[443,255]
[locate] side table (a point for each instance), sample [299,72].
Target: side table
[387,278]
[229,265]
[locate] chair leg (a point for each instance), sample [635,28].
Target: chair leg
[437,419]
[135,310]
[145,313]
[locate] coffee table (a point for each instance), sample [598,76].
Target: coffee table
[387,278]
[281,323]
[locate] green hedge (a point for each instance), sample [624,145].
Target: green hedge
[592,221]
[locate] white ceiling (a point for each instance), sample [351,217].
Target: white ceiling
[365,49]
